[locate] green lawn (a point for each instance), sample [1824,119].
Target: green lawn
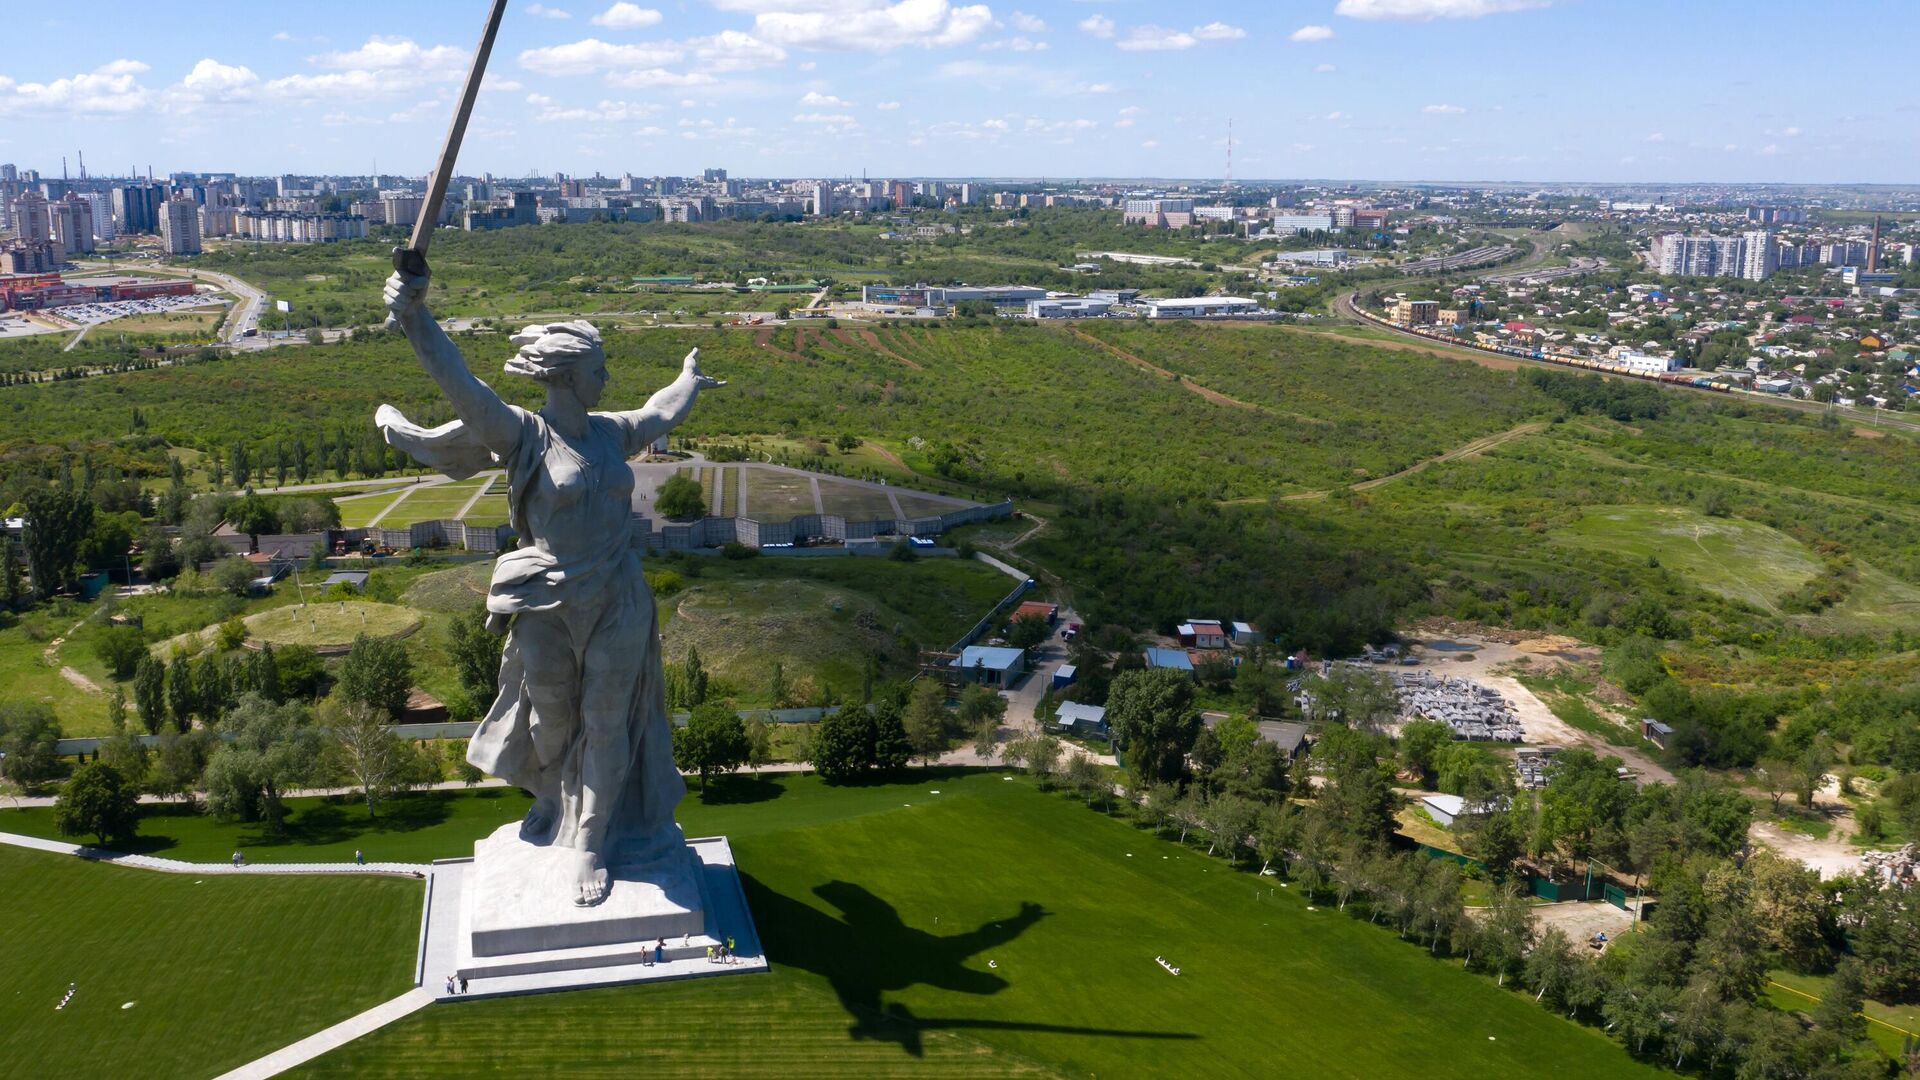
[855,502]
[327,625]
[1735,558]
[995,929]
[180,976]
[778,496]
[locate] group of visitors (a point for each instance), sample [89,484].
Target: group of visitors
[456,984]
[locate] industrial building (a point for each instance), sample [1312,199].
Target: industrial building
[1201,307]
[1068,307]
[942,297]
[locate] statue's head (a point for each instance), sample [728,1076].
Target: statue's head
[563,354]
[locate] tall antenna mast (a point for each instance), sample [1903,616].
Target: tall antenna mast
[1229,151]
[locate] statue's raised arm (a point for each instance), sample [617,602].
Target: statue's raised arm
[668,406]
[494,423]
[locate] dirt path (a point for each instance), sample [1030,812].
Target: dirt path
[51,654]
[1470,449]
[873,342]
[764,339]
[1185,383]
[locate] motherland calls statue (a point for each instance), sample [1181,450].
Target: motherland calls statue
[581,719]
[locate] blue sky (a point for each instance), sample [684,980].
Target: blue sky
[1609,90]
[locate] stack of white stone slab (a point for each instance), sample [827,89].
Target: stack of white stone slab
[505,921]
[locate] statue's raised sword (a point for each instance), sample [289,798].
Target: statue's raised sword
[412,259]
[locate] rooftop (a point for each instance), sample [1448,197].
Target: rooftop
[989,657]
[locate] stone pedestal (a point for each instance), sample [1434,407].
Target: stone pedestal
[522,899]
[517,914]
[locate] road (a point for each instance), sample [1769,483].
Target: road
[245,314]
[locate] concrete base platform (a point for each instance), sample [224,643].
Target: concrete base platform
[521,900]
[447,944]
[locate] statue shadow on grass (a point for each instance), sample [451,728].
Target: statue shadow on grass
[738,788]
[868,951]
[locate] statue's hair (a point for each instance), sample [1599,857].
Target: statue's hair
[547,350]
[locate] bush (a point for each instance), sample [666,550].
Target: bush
[378,674]
[233,575]
[680,497]
[232,633]
[120,648]
[733,550]
[29,739]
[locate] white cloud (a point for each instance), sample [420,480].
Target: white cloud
[1323,69]
[888,105]
[1444,110]
[1657,137]
[1150,144]
[1098,25]
[542,11]
[282,36]
[654,78]
[735,50]
[995,125]
[113,88]
[1770,149]
[1017,44]
[818,100]
[1336,115]
[390,53]
[822,118]
[1302,147]
[625,16]
[1218,31]
[1099,88]
[604,112]
[1425,10]
[1150,38]
[1791,132]
[592,54]
[1730,148]
[1032,24]
[1311,33]
[1131,110]
[212,83]
[862,25]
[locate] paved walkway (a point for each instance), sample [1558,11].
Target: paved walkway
[176,866]
[338,1035]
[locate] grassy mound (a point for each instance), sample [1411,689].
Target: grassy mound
[213,972]
[451,591]
[821,618]
[331,625]
[1738,559]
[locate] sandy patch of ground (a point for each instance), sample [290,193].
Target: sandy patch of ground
[1580,920]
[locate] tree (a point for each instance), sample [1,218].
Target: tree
[150,692]
[271,748]
[1506,933]
[1260,685]
[1083,775]
[714,739]
[301,671]
[777,686]
[693,676]
[1790,905]
[1039,755]
[57,523]
[1275,835]
[1838,1013]
[29,743]
[253,514]
[12,589]
[1230,821]
[381,763]
[475,652]
[680,497]
[843,744]
[377,673]
[1357,697]
[1776,777]
[847,442]
[1028,631]
[890,744]
[929,723]
[121,649]
[98,801]
[759,743]
[234,575]
[183,699]
[1810,770]
[1551,968]
[1154,723]
[981,712]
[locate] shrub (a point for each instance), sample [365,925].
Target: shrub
[680,497]
[120,648]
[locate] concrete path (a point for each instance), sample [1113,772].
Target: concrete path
[740,500]
[467,507]
[819,506]
[176,866]
[893,498]
[400,498]
[338,1035]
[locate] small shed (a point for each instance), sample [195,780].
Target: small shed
[1173,659]
[1076,719]
[1655,732]
[1064,675]
[1245,634]
[1289,737]
[1445,809]
[1202,634]
[991,666]
[1047,611]
[352,579]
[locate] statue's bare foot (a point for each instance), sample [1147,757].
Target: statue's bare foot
[537,826]
[590,879]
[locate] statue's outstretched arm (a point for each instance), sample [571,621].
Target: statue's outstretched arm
[494,421]
[670,404]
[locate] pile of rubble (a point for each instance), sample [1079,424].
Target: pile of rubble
[1894,867]
[1474,712]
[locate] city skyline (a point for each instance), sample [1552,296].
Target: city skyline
[1339,89]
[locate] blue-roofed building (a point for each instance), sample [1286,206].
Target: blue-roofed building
[1075,718]
[1064,675]
[1174,659]
[991,666]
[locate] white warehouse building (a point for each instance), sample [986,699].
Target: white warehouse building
[1068,307]
[1201,307]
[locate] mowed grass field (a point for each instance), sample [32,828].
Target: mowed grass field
[334,623]
[179,976]
[820,618]
[966,924]
[1738,559]
[436,502]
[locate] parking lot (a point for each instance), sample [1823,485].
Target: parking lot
[93,314]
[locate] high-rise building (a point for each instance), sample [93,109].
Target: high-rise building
[30,219]
[180,226]
[714,176]
[967,194]
[136,208]
[8,174]
[102,208]
[1750,255]
[401,208]
[70,225]
[819,195]
[1758,258]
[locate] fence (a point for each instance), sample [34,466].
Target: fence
[986,622]
[708,532]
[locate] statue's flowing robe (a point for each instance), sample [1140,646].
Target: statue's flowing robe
[569,502]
